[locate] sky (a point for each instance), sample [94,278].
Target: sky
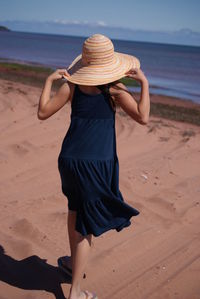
[164,15]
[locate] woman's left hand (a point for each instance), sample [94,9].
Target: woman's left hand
[136,74]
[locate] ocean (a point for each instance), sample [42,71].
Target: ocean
[172,70]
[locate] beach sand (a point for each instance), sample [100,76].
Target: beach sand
[157,257]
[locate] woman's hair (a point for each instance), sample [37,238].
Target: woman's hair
[105,90]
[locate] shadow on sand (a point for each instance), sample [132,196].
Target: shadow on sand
[32,273]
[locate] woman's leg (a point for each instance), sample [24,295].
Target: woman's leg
[73,234]
[80,258]
[80,248]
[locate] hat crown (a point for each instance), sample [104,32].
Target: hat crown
[97,50]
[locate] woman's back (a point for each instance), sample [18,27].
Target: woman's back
[88,105]
[91,134]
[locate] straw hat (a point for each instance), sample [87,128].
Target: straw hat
[99,63]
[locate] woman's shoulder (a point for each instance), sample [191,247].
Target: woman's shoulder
[69,87]
[117,87]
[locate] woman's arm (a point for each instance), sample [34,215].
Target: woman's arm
[144,103]
[48,106]
[138,111]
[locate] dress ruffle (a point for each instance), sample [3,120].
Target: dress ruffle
[92,190]
[99,215]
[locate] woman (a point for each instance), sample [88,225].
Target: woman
[88,162]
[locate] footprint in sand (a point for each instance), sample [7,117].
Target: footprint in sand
[23,148]
[26,229]
[19,149]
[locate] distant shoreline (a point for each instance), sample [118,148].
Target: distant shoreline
[163,106]
[4,28]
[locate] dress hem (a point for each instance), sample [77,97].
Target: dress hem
[118,228]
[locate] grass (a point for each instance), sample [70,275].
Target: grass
[24,67]
[33,75]
[129,82]
[188,115]
[188,133]
[36,76]
[27,74]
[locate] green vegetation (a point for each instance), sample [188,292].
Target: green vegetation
[27,74]
[129,82]
[18,67]
[36,76]
[189,115]
[26,67]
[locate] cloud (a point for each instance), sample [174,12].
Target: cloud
[75,22]
[101,23]
[64,22]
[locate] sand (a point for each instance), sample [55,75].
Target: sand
[157,257]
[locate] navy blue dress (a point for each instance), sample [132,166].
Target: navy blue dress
[89,168]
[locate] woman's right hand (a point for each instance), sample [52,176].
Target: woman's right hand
[58,74]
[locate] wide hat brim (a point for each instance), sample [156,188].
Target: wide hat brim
[92,75]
